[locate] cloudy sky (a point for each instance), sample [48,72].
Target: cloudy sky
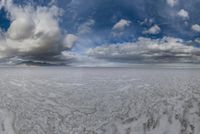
[99,31]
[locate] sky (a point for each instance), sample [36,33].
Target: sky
[83,32]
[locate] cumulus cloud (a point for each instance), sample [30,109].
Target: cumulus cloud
[172,3]
[183,14]
[163,50]
[196,28]
[153,30]
[34,32]
[121,25]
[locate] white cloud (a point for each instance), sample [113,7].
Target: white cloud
[196,28]
[167,49]
[153,30]
[86,27]
[70,40]
[147,22]
[52,2]
[172,3]
[67,55]
[197,40]
[34,32]
[121,25]
[21,28]
[183,14]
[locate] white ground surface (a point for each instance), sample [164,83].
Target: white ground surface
[99,100]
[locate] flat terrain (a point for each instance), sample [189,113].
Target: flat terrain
[137,100]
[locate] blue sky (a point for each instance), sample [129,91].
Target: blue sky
[106,13]
[91,28]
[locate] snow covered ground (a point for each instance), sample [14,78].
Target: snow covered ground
[138,100]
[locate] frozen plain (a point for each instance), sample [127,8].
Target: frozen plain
[137,100]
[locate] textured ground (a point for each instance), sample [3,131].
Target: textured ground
[139,100]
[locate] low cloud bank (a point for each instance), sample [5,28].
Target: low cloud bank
[165,50]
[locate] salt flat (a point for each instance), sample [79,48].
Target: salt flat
[136,100]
